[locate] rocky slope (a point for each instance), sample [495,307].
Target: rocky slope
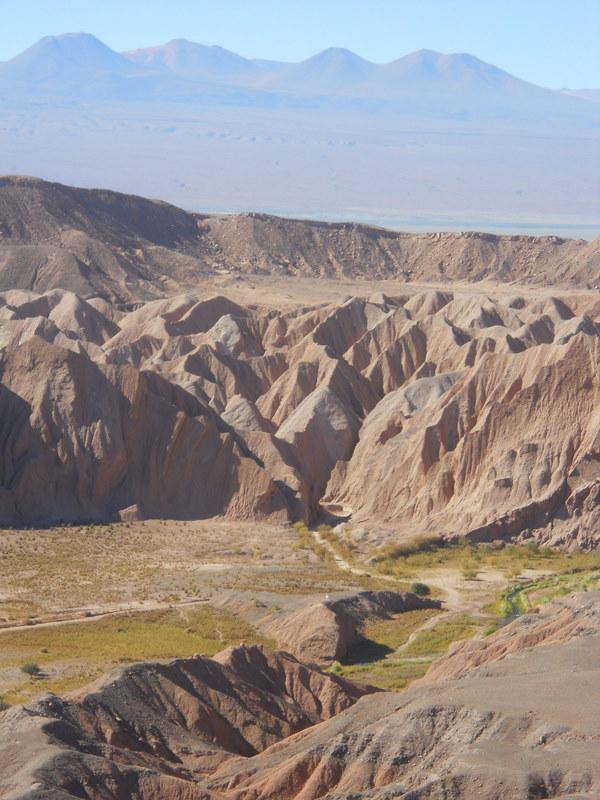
[453,412]
[324,632]
[511,725]
[124,248]
[151,730]
[516,727]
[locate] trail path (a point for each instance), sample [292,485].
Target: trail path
[93,615]
[453,599]
[340,562]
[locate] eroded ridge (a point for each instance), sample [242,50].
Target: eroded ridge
[509,722]
[453,412]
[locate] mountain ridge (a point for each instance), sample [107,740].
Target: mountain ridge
[127,248]
[328,70]
[428,134]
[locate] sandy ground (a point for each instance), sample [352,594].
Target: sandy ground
[269,290]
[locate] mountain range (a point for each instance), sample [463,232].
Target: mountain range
[429,140]
[79,64]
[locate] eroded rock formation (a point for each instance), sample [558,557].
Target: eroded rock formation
[514,716]
[455,412]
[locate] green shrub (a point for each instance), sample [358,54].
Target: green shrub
[469,574]
[30,668]
[420,588]
[412,546]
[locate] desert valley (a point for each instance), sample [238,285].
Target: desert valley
[299,400]
[294,509]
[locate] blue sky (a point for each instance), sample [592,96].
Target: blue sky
[551,42]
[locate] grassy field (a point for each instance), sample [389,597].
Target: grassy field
[145,571]
[71,654]
[395,652]
[410,560]
[156,580]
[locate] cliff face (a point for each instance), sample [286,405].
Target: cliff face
[501,718]
[445,412]
[81,440]
[126,248]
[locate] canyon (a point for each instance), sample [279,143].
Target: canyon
[456,408]
[314,507]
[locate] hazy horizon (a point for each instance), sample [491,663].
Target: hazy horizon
[427,141]
[537,40]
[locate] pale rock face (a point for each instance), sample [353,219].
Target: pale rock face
[243,415]
[453,413]
[323,431]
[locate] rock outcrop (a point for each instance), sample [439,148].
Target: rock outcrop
[325,631]
[458,413]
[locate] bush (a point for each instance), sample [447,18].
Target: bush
[30,668]
[420,588]
[469,574]
[413,546]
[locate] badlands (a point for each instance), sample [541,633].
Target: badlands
[345,447]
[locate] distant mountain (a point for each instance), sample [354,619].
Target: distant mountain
[430,134]
[584,94]
[332,69]
[70,57]
[77,65]
[337,71]
[191,60]
[426,69]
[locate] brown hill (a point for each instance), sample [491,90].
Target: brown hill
[432,412]
[324,632]
[152,730]
[124,248]
[520,720]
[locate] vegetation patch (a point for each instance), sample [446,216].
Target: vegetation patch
[414,557]
[72,654]
[434,641]
[524,595]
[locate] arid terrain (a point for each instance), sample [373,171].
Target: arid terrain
[124,248]
[511,716]
[347,478]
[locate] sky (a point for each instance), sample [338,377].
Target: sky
[554,43]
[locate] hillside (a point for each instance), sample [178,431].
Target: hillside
[513,725]
[125,248]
